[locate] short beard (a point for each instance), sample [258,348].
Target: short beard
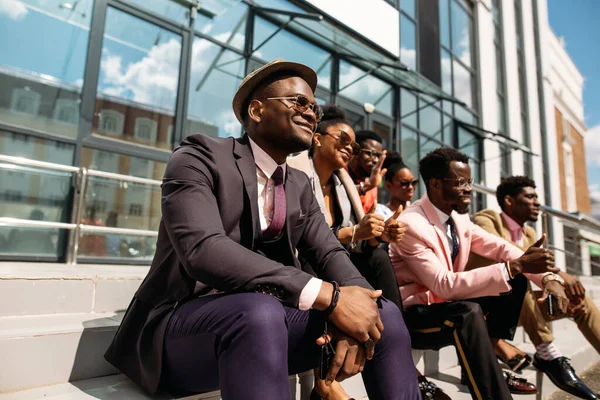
[294,145]
[459,210]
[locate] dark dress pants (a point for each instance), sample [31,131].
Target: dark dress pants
[247,344]
[375,265]
[469,325]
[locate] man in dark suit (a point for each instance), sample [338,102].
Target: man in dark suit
[226,304]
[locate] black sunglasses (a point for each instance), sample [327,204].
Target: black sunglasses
[404,184]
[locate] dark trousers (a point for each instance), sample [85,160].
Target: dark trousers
[469,325]
[247,344]
[375,265]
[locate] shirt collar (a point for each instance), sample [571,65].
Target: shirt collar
[441,215]
[264,161]
[512,224]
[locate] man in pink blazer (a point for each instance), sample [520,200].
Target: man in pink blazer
[444,304]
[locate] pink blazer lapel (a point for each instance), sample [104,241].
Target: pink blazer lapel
[439,227]
[464,238]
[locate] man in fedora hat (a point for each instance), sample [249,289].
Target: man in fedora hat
[226,304]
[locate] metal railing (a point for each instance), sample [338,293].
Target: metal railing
[76,227]
[82,175]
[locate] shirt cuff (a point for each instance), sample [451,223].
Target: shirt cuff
[309,294]
[505,272]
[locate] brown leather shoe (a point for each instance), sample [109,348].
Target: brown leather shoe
[518,385]
[430,391]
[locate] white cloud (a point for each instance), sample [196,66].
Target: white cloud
[14,9]
[151,80]
[592,146]
[595,192]
[364,89]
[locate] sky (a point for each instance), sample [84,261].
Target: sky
[577,21]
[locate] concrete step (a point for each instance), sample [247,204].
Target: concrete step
[118,387]
[45,288]
[50,349]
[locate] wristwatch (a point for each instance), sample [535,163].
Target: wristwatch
[361,188]
[552,277]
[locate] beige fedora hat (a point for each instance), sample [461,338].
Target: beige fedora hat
[253,79]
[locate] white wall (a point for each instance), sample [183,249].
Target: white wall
[384,20]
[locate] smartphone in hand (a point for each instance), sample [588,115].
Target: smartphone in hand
[552,305]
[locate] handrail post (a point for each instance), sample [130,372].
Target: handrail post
[78,207]
[545,229]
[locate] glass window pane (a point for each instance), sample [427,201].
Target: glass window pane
[357,86]
[430,122]
[137,87]
[122,204]
[384,130]
[468,143]
[463,89]
[34,194]
[357,121]
[427,145]
[166,8]
[43,48]
[408,6]
[446,71]
[408,107]
[499,70]
[448,128]
[501,115]
[465,115]
[224,21]
[409,149]
[444,23]
[291,48]
[461,33]
[215,76]
[408,43]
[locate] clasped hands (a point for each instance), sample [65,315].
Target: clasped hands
[354,320]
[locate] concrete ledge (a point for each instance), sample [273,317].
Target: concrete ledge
[51,349]
[40,288]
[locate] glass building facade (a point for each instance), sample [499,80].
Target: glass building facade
[114,85]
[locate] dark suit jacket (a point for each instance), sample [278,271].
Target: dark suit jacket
[208,239]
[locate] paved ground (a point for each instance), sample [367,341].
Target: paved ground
[591,377]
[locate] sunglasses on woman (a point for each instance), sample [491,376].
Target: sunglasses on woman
[344,139]
[404,184]
[301,104]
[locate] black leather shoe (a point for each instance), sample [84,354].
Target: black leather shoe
[564,377]
[430,391]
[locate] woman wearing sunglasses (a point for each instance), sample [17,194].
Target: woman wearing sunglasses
[333,147]
[400,183]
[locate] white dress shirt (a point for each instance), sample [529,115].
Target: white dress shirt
[265,167]
[444,219]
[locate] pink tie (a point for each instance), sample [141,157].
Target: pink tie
[279,211]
